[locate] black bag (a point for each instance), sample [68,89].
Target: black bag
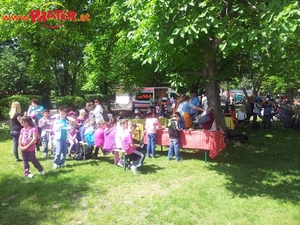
[243,138]
[231,134]
[255,126]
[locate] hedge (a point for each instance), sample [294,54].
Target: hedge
[24,100]
[70,102]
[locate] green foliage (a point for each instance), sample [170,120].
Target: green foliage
[53,56]
[5,132]
[70,101]
[24,101]
[104,99]
[147,43]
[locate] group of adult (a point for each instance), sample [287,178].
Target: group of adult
[265,108]
[194,110]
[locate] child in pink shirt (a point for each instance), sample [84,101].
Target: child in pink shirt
[133,150]
[99,137]
[27,139]
[151,126]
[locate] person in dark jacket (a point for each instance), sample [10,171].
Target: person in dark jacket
[174,129]
[15,127]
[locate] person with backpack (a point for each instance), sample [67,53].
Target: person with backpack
[267,117]
[173,130]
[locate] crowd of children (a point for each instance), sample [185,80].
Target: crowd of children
[66,133]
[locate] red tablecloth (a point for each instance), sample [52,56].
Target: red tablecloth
[196,140]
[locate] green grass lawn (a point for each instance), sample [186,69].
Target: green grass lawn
[254,183]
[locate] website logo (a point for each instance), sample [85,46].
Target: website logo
[51,15]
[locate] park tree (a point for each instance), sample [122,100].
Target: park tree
[13,67]
[108,61]
[54,47]
[192,39]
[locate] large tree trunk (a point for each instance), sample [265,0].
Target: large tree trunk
[212,92]
[212,87]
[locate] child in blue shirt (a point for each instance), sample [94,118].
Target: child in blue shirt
[61,129]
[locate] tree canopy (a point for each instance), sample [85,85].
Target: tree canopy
[186,44]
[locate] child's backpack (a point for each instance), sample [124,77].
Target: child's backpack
[255,125]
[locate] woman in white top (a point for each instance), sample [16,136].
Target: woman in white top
[97,111]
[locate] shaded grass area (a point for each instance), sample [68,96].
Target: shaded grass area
[254,183]
[267,166]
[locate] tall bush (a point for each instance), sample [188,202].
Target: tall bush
[5,103]
[70,101]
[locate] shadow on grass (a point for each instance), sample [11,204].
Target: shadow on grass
[269,165]
[43,197]
[150,168]
[186,154]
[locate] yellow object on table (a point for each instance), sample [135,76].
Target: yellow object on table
[163,121]
[229,122]
[138,132]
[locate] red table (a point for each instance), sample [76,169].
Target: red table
[212,141]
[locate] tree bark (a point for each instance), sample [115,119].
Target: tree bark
[212,89]
[212,92]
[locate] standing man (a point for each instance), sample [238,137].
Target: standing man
[195,101]
[185,108]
